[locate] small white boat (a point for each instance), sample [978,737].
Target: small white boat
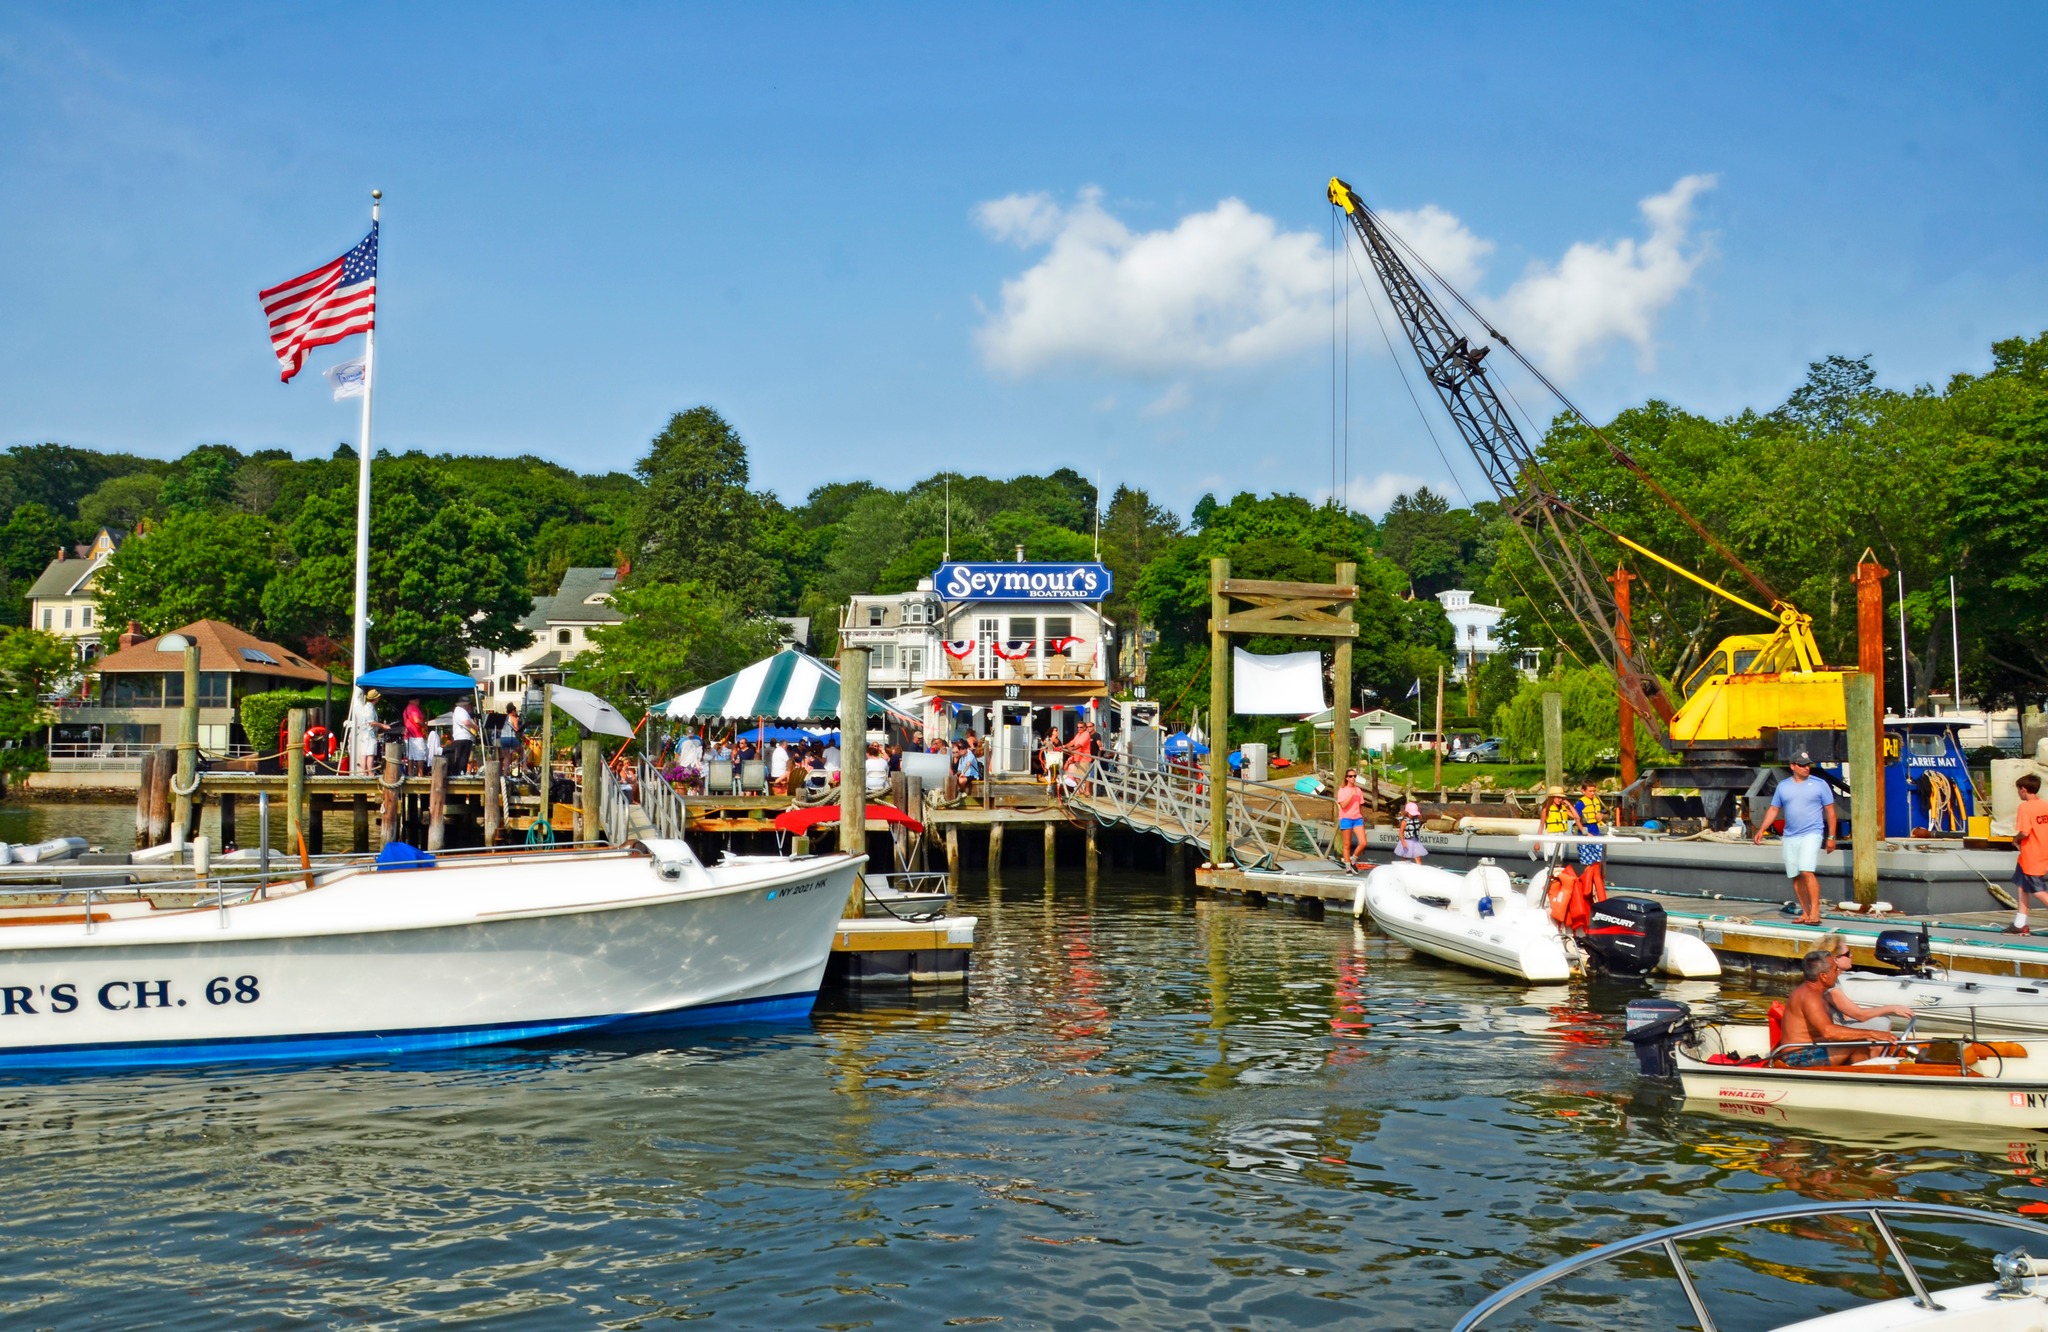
[2002,1084]
[908,895]
[475,950]
[2015,1300]
[1480,919]
[1978,1005]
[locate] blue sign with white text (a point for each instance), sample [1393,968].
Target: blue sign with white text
[1022,582]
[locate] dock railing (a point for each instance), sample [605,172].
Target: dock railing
[1265,823]
[659,801]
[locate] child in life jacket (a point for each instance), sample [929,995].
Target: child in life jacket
[1410,846]
[1592,855]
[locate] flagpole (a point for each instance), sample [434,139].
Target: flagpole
[363,743]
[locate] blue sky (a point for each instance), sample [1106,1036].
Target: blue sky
[885,240]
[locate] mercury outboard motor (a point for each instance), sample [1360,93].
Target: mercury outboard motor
[1904,951]
[1625,935]
[1655,1027]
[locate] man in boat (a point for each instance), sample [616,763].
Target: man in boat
[1807,806]
[1809,1022]
[1846,1010]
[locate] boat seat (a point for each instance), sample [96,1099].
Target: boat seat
[1777,1021]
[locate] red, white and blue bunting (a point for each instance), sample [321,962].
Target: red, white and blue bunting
[1060,644]
[1017,649]
[959,649]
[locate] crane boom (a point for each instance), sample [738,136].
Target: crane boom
[1456,370]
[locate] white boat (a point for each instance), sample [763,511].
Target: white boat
[1480,919]
[474,950]
[2001,1084]
[2015,1300]
[1948,1001]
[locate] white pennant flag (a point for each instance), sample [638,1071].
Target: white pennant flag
[350,379]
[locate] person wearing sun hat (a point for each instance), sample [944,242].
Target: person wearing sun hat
[1409,846]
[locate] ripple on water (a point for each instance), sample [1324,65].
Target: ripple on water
[1152,1111]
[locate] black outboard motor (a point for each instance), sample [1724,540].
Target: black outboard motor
[1655,1027]
[1625,935]
[1904,951]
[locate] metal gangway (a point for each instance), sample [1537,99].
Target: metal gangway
[1266,823]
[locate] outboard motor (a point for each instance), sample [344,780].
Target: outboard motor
[1904,951]
[1655,1027]
[1625,935]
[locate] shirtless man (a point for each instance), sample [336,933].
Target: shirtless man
[1808,1020]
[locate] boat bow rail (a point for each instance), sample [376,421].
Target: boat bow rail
[1667,1240]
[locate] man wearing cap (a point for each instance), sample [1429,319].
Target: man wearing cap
[1807,806]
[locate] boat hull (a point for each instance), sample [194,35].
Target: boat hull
[494,954]
[1985,1005]
[1504,945]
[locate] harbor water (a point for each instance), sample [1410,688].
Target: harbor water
[1147,1110]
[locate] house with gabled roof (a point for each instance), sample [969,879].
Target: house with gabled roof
[64,599]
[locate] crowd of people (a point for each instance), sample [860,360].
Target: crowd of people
[421,737]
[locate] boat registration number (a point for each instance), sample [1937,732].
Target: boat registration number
[2029,1100]
[122,996]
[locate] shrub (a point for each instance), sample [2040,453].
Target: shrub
[262,713]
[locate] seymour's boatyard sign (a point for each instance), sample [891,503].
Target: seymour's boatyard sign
[1022,582]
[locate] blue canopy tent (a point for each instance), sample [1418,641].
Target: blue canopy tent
[416,680]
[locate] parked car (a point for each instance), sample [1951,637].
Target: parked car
[1423,740]
[1486,751]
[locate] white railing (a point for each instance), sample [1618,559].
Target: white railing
[1263,822]
[659,802]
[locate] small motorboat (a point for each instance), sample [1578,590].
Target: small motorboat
[1948,1001]
[908,894]
[2015,1300]
[1480,919]
[393,958]
[1952,1080]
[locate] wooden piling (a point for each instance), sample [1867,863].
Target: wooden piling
[494,813]
[359,824]
[295,780]
[953,854]
[913,804]
[1866,774]
[995,850]
[1219,721]
[1094,852]
[188,748]
[437,804]
[145,783]
[393,785]
[593,791]
[853,734]
[1051,848]
[316,823]
[1553,739]
[160,796]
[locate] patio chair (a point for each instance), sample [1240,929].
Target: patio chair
[753,777]
[718,777]
[958,668]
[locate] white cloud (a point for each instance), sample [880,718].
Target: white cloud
[1442,240]
[1372,494]
[1600,293]
[1228,287]
[1169,402]
[1225,287]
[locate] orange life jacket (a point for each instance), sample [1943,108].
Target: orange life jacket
[1567,899]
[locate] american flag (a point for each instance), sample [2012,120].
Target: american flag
[326,305]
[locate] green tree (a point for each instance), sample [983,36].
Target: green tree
[58,476]
[192,566]
[697,520]
[203,478]
[446,574]
[30,540]
[122,503]
[32,664]
[1592,722]
[675,636]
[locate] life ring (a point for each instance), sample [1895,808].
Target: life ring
[321,744]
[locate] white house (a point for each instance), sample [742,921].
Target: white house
[902,632]
[63,600]
[560,626]
[1476,626]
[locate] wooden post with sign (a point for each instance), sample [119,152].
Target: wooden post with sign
[1300,610]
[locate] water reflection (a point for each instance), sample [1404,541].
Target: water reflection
[1149,1109]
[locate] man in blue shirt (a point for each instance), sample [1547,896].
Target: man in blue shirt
[1808,809]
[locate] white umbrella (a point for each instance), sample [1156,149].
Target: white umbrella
[591,712]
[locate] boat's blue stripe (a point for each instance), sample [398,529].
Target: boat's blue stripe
[359,1044]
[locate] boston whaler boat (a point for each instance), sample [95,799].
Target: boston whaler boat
[1481,920]
[1728,1270]
[1724,1065]
[474,950]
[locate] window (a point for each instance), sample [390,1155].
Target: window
[173,689]
[1023,626]
[259,656]
[67,617]
[49,616]
[885,657]
[1922,744]
[913,662]
[914,612]
[508,684]
[87,614]
[874,617]
[1059,626]
[562,637]
[133,691]
[214,689]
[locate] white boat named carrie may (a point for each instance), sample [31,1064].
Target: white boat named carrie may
[472,951]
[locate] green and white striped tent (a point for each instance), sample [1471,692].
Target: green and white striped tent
[787,687]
